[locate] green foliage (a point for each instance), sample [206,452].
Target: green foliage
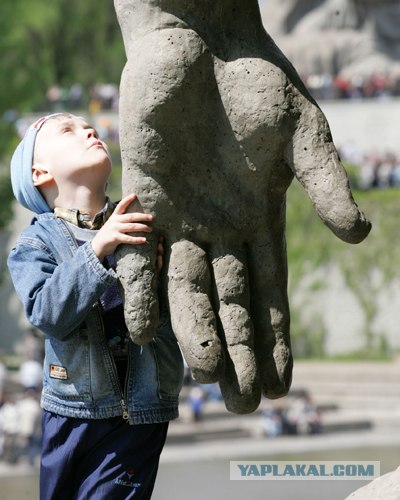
[309,339]
[363,355]
[8,142]
[6,197]
[367,267]
[309,243]
[46,42]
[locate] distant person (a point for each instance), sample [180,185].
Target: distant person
[29,416]
[272,420]
[302,416]
[9,426]
[31,374]
[196,401]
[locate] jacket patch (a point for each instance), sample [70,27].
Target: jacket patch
[58,372]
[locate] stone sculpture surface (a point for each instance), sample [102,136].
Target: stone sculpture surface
[385,487]
[352,38]
[214,125]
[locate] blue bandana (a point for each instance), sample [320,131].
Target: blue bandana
[21,170]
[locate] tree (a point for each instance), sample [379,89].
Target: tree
[46,42]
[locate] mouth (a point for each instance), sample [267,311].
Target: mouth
[97,144]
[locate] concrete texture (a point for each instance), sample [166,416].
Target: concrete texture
[214,125]
[347,37]
[386,487]
[365,125]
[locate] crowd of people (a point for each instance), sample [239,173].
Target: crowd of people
[293,416]
[101,96]
[20,412]
[105,96]
[373,169]
[20,427]
[375,86]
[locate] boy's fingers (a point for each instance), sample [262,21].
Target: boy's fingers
[133,240]
[135,228]
[136,217]
[124,203]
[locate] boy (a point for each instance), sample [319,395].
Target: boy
[96,382]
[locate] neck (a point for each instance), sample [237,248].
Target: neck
[83,199]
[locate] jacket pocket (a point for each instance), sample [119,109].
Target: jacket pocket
[169,363]
[67,368]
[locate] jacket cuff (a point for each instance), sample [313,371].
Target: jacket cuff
[109,276]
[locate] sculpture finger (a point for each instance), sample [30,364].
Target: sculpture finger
[192,316]
[240,385]
[136,271]
[268,278]
[313,158]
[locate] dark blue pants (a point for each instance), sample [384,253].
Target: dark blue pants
[99,459]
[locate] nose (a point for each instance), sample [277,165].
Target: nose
[91,132]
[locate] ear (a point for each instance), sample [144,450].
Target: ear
[40,175]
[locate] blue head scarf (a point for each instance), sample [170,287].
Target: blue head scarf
[21,170]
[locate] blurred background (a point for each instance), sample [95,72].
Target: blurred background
[345,300]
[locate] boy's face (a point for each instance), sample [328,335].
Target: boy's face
[69,149]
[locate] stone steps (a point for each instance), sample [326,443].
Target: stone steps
[360,384]
[350,396]
[218,424]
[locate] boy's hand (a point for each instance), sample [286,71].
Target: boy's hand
[117,229]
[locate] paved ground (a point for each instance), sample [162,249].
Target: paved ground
[361,402]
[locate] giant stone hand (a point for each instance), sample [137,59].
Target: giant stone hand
[214,125]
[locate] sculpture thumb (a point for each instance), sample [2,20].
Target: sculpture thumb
[315,162]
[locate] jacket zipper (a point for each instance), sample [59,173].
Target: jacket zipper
[125,411]
[124,406]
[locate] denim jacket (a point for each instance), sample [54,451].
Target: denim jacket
[59,284]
